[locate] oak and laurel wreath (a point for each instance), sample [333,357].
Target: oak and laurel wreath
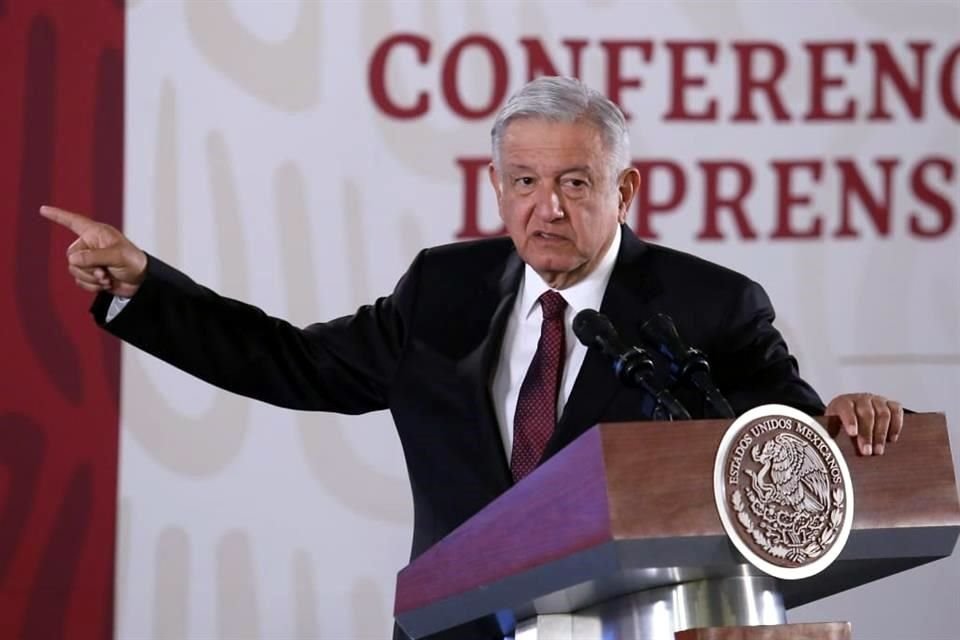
[812,550]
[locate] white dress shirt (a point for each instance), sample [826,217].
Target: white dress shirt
[522,334]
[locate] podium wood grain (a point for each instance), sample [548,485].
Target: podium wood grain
[805,631]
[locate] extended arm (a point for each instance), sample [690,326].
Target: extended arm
[346,365]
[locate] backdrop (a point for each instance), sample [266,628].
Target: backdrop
[298,154]
[61,139]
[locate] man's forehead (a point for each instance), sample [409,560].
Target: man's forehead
[543,131]
[532,142]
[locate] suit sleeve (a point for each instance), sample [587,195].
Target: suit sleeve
[752,365]
[346,365]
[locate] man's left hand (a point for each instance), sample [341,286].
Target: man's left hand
[871,419]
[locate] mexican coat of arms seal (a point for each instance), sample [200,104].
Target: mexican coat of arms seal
[783,492]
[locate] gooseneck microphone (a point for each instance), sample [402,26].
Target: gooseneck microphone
[632,365]
[687,364]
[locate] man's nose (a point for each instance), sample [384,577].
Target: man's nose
[548,206]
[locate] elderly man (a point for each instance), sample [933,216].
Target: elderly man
[473,352]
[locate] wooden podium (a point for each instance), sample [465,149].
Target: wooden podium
[618,537]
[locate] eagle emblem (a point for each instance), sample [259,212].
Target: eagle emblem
[783,491]
[798,475]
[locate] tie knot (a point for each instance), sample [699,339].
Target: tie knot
[553,305]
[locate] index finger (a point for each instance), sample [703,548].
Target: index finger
[73,221]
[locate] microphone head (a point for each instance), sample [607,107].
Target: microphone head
[661,332]
[595,331]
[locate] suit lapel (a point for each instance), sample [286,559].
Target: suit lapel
[478,366]
[625,301]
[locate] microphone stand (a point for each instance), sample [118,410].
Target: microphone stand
[695,368]
[687,364]
[632,365]
[634,368]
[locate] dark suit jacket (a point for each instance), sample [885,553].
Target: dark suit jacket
[427,352]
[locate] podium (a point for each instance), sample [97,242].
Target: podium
[618,537]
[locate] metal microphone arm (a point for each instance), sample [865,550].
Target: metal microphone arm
[634,368]
[694,367]
[687,364]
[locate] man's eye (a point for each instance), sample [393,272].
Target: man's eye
[575,183]
[524,182]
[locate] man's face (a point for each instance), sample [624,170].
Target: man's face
[557,198]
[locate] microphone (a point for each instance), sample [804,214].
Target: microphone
[632,365]
[687,363]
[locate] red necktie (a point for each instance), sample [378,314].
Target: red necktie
[536,414]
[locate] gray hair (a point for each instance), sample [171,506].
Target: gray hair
[562,99]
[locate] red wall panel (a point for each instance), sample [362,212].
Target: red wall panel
[61,141]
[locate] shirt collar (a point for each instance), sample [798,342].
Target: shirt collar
[586,294]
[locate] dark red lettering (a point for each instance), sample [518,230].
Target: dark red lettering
[820,81]
[940,204]
[787,199]
[948,83]
[748,80]
[887,71]
[646,205]
[615,79]
[714,203]
[472,169]
[500,73]
[540,64]
[681,80]
[852,183]
[376,76]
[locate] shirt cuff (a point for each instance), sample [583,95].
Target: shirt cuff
[116,306]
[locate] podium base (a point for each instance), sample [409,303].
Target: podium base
[656,614]
[803,631]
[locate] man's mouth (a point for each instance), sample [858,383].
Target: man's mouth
[543,235]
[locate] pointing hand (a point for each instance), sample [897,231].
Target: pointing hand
[101,258]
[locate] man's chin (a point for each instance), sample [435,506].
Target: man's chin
[551,264]
[555,270]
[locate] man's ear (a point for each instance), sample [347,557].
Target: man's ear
[495,182]
[627,188]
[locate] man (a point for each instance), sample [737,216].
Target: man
[473,352]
